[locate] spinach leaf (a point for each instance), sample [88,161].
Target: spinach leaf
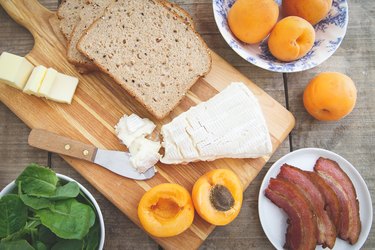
[69,190]
[68,219]
[38,181]
[46,236]
[15,245]
[13,214]
[35,202]
[40,246]
[93,237]
[68,244]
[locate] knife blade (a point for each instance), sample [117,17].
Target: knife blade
[115,161]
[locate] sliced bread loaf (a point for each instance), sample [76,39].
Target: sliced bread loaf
[149,50]
[178,10]
[93,10]
[68,13]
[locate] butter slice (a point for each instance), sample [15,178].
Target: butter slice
[35,81]
[63,88]
[14,70]
[47,82]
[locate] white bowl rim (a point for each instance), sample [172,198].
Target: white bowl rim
[8,188]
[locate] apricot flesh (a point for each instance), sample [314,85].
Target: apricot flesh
[166,210]
[291,39]
[252,20]
[217,196]
[330,96]
[312,11]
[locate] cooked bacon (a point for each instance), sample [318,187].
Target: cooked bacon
[350,223]
[326,234]
[332,204]
[301,232]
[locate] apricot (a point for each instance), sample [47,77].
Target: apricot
[166,210]
[217,196]
[252,20]
[330,96]
[291,39]
[312,11]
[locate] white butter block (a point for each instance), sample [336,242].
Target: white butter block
[47,82]
[63,88]
[35,81]
[14,70]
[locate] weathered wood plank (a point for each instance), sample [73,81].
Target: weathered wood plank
[352,137]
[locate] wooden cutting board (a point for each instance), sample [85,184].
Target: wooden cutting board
[99,103]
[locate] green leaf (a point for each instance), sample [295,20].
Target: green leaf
[15,245]
[40,246]
[68,244]
[69,190]
[13,215]
[93,237]
[38,181]
[46,236]
[35,202]
[68,219]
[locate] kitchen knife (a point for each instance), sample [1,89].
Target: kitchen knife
[115,161]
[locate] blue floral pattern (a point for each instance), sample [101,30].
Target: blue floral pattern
[329,35]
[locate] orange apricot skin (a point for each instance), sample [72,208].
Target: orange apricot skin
[330,96]
[312,11]
[252,20]
[166,223]
[291,39]
[201,196]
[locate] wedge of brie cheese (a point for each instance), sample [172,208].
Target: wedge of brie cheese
[229,125]
[132,131]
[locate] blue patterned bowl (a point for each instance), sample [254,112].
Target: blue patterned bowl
[329,34]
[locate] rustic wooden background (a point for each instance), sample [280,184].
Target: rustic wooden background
[352,137]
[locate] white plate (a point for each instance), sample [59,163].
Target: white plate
[273,219]
[329,34]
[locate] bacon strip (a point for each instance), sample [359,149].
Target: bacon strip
[302,229]
[350,223]
[332,204]
[326,234]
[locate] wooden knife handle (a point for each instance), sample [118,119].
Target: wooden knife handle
[49,141]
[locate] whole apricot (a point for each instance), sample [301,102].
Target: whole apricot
[252,20]
[311,10]
[291,39]
[217,196]
[330,96]
[166,210]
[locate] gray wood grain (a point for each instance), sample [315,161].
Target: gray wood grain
[353,137]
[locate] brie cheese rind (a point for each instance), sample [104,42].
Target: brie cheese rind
[229,125]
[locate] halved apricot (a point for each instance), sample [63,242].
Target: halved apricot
[217,196]
[166,210]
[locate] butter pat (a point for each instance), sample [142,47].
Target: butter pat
[47,82]
[35,81]
[14,70]
[63,88]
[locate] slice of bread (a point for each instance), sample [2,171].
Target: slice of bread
[68,13]
[93,10]
[178,10]
[149,50]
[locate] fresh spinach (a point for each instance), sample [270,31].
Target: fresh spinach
[15,245]
[68,244]
[60,215]
[38,181]
[13,215]
[68,219]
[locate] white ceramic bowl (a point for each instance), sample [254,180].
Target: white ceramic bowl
[12,186]
[329,34]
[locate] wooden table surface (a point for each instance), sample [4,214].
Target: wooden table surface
[353,137]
